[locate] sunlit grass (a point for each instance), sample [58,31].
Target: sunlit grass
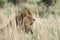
[44,28]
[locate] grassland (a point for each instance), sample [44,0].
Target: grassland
[46,26]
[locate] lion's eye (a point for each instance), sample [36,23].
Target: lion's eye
[33,19]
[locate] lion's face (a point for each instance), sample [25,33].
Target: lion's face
[28,20]
[25,18]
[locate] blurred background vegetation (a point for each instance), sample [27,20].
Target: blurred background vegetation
[43,7]
[45,29]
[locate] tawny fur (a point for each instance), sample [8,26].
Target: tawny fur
[25,18]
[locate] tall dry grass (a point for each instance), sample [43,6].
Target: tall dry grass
[44,28]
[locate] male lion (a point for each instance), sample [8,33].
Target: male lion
[25,21]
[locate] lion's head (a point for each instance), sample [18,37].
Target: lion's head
[26,19]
